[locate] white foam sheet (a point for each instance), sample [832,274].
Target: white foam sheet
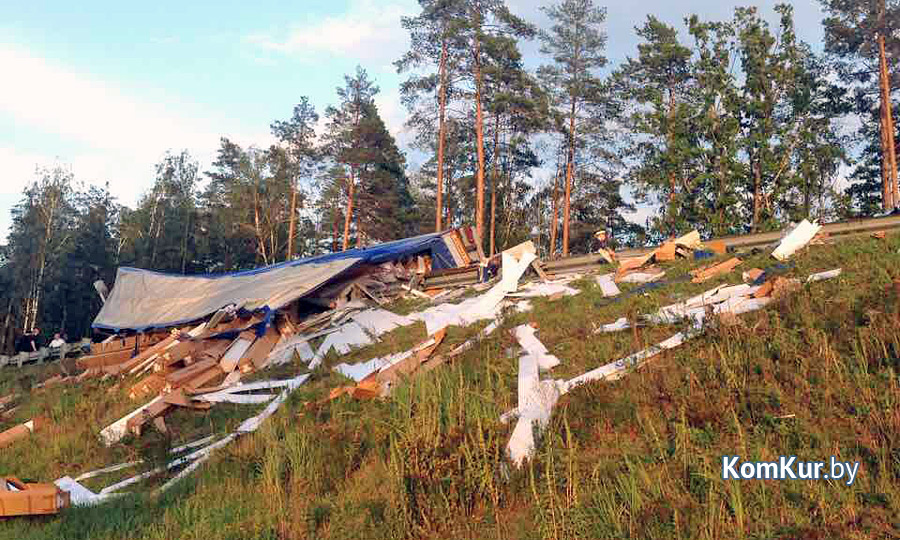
[380,321]
[462,314]
[607,285]
[78,494]
[349,335]
[238,399]
[534,347]
[640,277]
[463,347]
[361,370]
[184,472]
[234,353]
[286,347]
[486,306]
[620,324]
[545,289]
[83,496]
[694,308]
[252,424]
[536,399]
[112,468]
[796,239]
[830,274]
[741,304]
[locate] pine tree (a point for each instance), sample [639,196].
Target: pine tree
[575,42]
[298,135]
[341,134]
[863,37]
[434,42]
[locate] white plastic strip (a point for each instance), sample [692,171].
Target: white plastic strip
[830,274]
[615,370]
[238,399]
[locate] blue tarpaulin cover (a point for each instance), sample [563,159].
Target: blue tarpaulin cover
[144,299]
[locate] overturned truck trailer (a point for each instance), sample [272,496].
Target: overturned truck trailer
[142,301]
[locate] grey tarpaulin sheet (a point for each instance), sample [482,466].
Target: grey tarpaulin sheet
[143,299]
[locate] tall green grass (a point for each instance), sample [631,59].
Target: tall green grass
[813,375]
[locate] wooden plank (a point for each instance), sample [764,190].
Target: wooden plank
[135,424]
[176,353]
[236,351]
[139,359]
[179,377]
[105,359]
[211,349]
[259,351]
[410,364]
[179,398]
[30,499]
[204,378]
[536,264]
[16,433]
[149,385]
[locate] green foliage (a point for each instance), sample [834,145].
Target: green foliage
[725,151]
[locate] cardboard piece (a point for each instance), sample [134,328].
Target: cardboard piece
[20,499]
[752,275]
[704,274]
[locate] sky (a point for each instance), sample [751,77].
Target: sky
[105,88]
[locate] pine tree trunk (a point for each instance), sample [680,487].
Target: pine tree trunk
[507,193]
[293,222]
[555,222]
[494,180]
[349,214]
[885,176]
[570,173]
[442,133]
[335,230]
[184,241]
[479,137]
[7,324]
[359,215]
[448,222]
[889,180]
[260,238]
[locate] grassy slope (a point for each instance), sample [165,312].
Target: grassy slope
[638,458]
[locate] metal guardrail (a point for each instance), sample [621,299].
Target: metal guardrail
[837,231]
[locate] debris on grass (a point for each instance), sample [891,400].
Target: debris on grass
[796,239]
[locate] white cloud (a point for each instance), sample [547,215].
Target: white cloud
[97,129]
[369,31]
[94,113]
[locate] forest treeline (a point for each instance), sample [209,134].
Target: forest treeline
[727,126]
